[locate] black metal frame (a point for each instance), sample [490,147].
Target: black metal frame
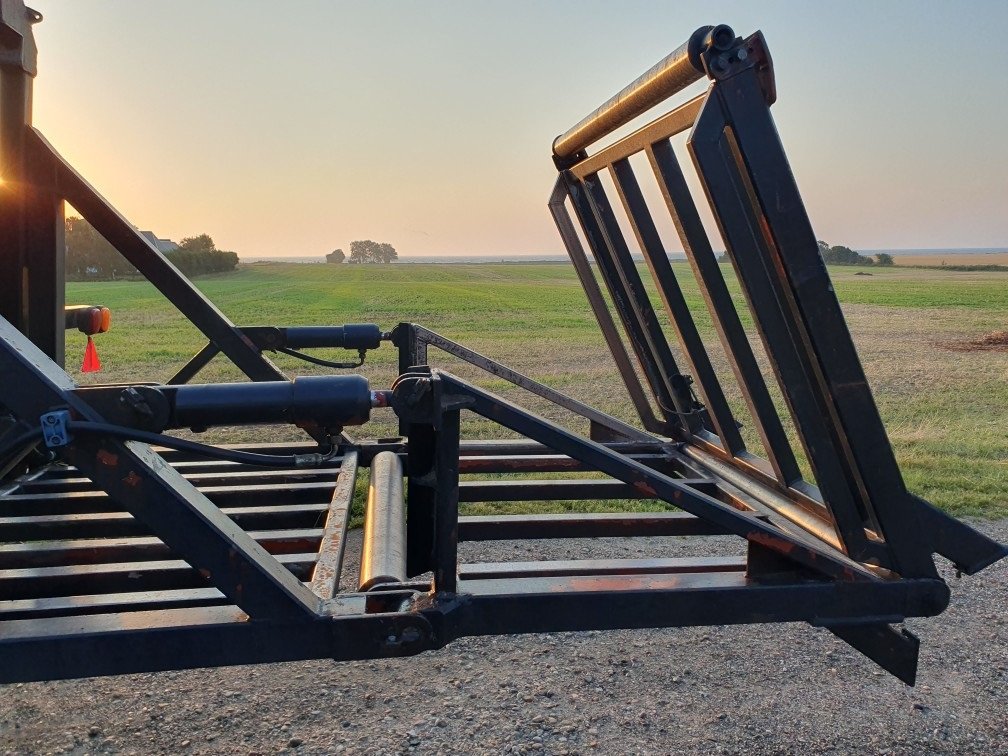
[122,557]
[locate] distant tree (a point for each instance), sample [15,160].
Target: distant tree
[372,252]
[89,255]
[199,254]
[336,256]
[885,259]
[201,243]
[823,248]
[840,255]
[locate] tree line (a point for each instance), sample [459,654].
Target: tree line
[840,255]
[90,257]
[365,252]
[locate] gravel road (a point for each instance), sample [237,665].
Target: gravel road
[753,689]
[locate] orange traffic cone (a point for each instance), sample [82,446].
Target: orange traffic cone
[91,362]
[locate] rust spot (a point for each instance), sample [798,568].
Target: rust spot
[132,480]
[107,458]
[205,573]
[780,545]
[644,488]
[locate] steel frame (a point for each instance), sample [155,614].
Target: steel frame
[119,556]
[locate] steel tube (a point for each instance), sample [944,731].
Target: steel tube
[383,556]
[672,74]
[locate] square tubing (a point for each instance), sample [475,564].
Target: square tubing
[724,316]
[421,497]
[32,244]
[618,255]
[600,309]
[698,360]
[780,335]
[803,274]
[412,352]
[446,472]
[598,242]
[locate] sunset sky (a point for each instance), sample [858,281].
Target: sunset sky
[292,128]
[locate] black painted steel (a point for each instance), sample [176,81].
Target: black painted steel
[117,557]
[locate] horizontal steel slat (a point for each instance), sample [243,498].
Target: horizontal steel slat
[579,525]
[560,490]
[224,478]
[80,502]
[89,579]
[122,524]
[598,567]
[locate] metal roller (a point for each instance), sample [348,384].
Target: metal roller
[383,557]
[671,74]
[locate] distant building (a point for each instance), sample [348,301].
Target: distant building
[163,245]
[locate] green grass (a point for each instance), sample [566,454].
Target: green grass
[946,410]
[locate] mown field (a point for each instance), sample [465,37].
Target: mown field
[945,402]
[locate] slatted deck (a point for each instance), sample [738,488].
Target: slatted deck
[68,549]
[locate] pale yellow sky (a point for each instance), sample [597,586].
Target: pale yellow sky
[429,125]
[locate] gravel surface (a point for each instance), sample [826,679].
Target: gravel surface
[752,689]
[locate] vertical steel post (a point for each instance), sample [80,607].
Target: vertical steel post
[446,468]
[412,352]
[32,243]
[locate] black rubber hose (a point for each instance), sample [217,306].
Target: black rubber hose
[213,452]
[18,443]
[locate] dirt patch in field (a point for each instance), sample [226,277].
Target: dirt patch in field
[992,342]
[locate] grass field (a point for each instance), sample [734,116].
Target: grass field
[975,258]
[945,404]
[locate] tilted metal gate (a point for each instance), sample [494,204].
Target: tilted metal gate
[135,551]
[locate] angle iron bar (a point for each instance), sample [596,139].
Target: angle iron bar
[326,575]
[124,524]
[65,606]
[580,525]
[664,127]
[85,579]
[692,345]
[96,500]
[561,490]
[812,555]
[154,266]
[722,310]
[600,309]
[495,368]
[195,364]
[202,480]
[802,270]
[598,567]
[53,553]
[153,491]
[598,242]
[744,242]
[672,383]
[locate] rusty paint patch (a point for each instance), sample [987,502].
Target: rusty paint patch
[132,480]
[780,545]
[107,458]
[645,489]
